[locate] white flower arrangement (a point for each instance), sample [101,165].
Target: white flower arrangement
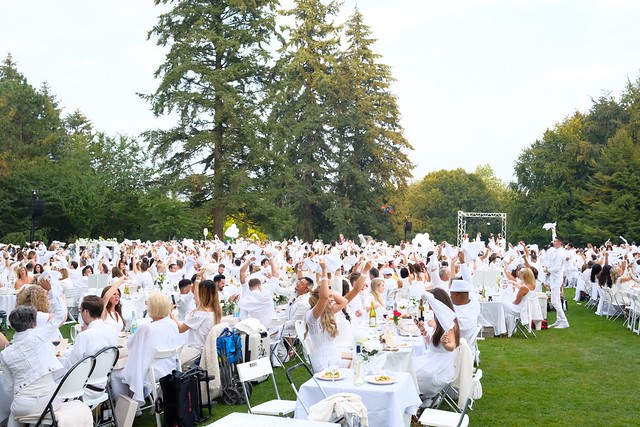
[371,347]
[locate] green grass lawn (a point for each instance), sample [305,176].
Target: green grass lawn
[586,375]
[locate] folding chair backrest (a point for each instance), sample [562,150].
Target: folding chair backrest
[105,361]
[167,353]
[464,380]
[300,329]
[72,296]
[72,384]
[250,371]
[277,322]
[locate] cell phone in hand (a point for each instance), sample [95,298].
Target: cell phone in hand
[173,299]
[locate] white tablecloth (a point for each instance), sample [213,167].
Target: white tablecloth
[7,303]
[386,404]
[237,419]
[492,314]
[401,361]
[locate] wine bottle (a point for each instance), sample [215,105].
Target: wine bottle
[421,311]
[373,320]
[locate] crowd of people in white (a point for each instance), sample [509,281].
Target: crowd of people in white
[331,287]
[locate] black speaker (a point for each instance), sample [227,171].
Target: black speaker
[38,208]
[408,226]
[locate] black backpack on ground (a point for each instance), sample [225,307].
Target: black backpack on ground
[181,399]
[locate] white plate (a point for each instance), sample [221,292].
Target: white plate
[320,376]
[372,379]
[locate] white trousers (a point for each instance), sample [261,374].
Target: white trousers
[557,304]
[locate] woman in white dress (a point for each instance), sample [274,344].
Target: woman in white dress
[516,296]
[374,297]
[112,314]
[322,328]
[199,322]
[435,370]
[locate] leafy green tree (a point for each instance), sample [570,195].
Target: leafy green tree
[613,193]
[213,79]
[433,203]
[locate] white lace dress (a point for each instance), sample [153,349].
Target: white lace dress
[324,348]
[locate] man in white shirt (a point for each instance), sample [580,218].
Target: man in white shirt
[145,280]
[257,303]
[97,336]
[556,258]
[467,309]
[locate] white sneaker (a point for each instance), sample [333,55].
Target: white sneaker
[564,325]
[553,325]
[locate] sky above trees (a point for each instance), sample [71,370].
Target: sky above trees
[485,77]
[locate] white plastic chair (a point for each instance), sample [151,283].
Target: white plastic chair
[71,387]
[155,389]
[250,371]
[99,380]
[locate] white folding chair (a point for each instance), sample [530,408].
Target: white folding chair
[276,338]
[293,386]
[251,371]
[473,344]
[99,380]
[440,418]
[72,299]
[71,387]
[635,314]
[155,389]
[305,343]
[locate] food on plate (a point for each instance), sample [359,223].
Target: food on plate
[383,378]
[332,373]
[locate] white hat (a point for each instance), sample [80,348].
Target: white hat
[461,286]
[386,271]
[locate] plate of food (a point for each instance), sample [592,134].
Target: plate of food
[330,375]
[380,379]
[391,347]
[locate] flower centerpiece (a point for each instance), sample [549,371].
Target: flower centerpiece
[159,279]
[280,299]
[370,347]
[396,316]
[228,308]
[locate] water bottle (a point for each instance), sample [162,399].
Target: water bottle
[134,322]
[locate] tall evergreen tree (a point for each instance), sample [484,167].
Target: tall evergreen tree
[372,164]
[301,114]
[213,79]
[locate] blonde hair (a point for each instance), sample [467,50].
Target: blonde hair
[377,296]
[528,278]
[327,319]
[64,273]
[158,305]
[615,273]
[34,296]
